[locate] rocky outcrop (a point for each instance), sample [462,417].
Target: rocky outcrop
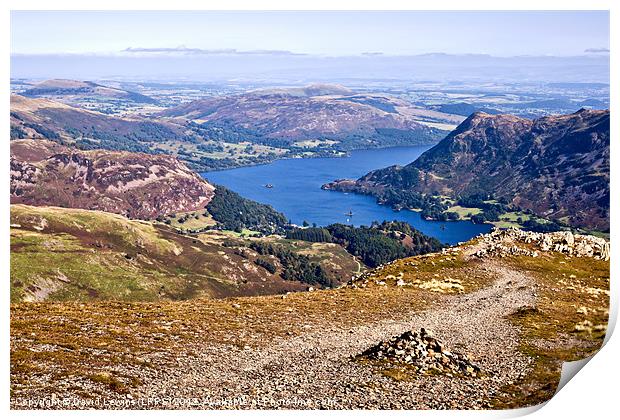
[499,243]
[23,176]
[507,242]
[424,353]
[132,184]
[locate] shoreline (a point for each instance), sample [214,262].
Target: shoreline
[345,154]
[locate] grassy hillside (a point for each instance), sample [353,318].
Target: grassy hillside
[517,310]
[70,254]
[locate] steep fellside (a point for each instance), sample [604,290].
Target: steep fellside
[556,166]
[133,184]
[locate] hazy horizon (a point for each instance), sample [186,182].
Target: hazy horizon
[301,68]
[330,33]
[563,46]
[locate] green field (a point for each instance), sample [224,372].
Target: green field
[193,220]
[245,233]
[508,220]
[464,212]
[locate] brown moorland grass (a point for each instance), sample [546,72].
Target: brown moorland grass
[103,346]
[568,323]
[79,340]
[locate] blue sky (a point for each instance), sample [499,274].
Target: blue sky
[502,33]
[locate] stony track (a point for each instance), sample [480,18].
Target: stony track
[316,370]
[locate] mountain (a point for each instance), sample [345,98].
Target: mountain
[284,116]
[53,120]
[315,89]
[133,184]
[73,91]
[556,166]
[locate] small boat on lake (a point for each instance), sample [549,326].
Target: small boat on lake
[268,185]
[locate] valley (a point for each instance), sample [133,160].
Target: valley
[300,197]
[222,131]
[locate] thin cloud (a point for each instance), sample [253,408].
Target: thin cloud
[597,50]
[199,51]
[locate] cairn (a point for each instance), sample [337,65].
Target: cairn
[424,353]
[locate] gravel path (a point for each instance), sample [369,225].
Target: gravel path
[315,370]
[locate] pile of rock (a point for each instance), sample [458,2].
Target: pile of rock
[500,250]
[503,243]
[422,352]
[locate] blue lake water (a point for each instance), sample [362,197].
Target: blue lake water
[297,191]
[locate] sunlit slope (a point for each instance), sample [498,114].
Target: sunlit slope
[72,254]
[518,304]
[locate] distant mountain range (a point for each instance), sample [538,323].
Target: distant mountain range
[220,132]
[556,166]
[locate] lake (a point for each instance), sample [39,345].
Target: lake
[297,191]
